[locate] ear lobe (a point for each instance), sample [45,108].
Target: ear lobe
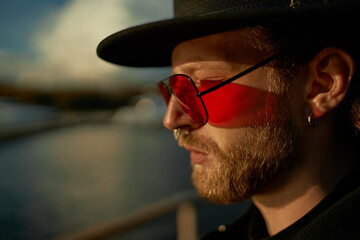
[331,71]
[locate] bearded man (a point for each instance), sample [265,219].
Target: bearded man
[265,98]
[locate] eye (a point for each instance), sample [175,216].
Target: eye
[206,84]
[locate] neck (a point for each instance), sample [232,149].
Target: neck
[323,165]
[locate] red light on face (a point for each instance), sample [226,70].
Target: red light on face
[236,105]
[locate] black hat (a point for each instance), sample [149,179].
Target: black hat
[151,44]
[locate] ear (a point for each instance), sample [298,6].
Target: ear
[330,74]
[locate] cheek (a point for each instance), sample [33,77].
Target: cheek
[237,105]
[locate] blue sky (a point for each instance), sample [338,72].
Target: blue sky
[20,18]
[51,43]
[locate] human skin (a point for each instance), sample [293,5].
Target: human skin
[311,171]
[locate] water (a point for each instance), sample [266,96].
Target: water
[70,178]
[65,179]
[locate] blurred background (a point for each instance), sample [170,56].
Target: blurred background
[81,140]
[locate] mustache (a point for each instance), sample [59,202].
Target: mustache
[201,143]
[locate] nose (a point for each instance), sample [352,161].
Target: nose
[175,117]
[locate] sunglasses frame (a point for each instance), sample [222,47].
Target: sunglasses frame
[199,94]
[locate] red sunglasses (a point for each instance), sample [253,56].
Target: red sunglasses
[190,98]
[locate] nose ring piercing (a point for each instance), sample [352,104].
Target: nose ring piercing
[177,133]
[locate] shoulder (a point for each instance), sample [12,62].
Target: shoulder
[336,217]
[340,221]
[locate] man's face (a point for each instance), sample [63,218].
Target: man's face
[231,164]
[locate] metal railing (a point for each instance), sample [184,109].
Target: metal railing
[183,203]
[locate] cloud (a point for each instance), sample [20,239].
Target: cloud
[66,47]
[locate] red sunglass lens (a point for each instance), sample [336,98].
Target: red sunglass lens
[164,92]
[186,94]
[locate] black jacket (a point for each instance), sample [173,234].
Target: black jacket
[337,216]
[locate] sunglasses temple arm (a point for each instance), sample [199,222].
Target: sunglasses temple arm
[249,70]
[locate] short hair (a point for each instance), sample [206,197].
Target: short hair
[298,44]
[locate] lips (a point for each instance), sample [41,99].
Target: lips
[196,156]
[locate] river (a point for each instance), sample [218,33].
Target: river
[68,178]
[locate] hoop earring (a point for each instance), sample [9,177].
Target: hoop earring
[177,133]
[310,120]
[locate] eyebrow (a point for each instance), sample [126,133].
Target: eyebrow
[203,68]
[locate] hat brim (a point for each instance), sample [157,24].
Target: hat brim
[151,45]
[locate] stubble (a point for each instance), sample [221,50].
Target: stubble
[247,163]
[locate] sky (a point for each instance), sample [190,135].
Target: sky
[51,43]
